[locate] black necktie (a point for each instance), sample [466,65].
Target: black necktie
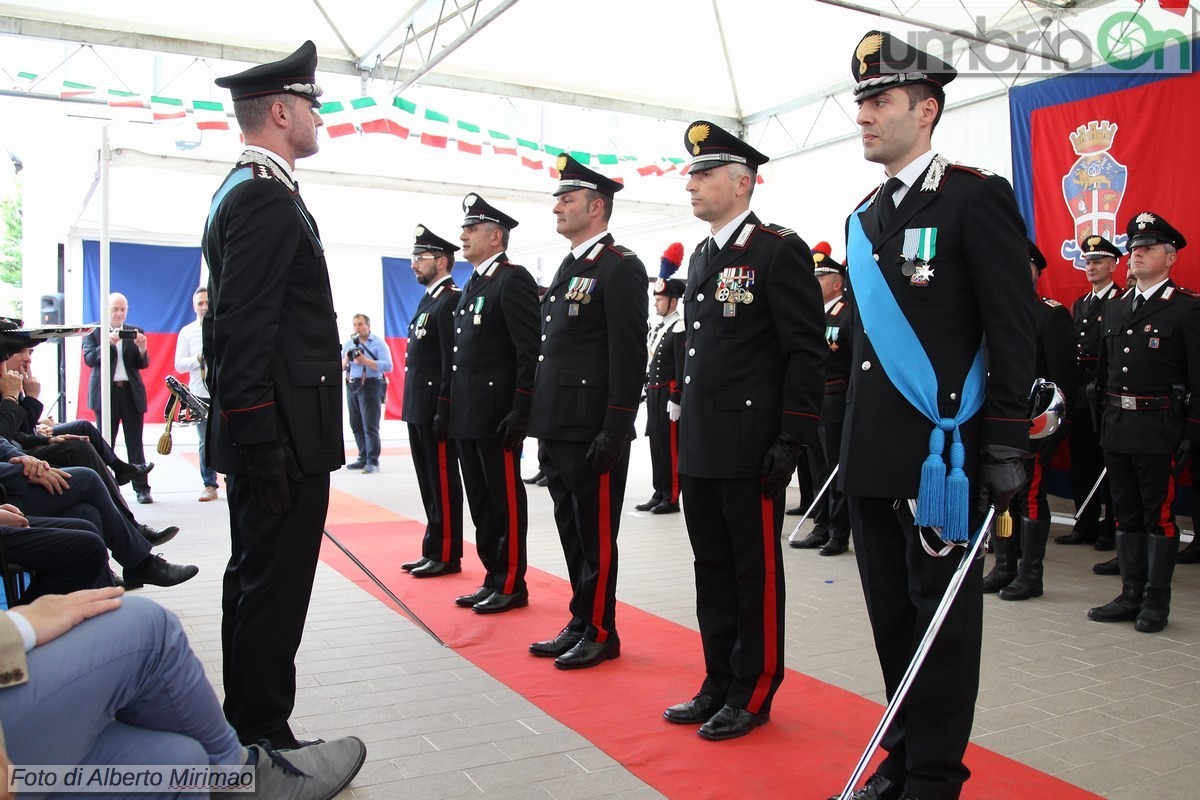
[710,250]
[1137,302]
[887,205]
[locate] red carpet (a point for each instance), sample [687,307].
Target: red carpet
[815,736]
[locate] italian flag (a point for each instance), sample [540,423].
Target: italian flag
[337,121]
[374,118]
[209,116]
[529,160]
[436,126]
[502,143]
[73,89]
[121,99]
[469,138]
[166,108]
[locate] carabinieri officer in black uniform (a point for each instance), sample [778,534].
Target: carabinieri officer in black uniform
[426,406]
[1149,368]
[585,399]
[752,388]
[937,262]
[495,355]
[664,386]
[275,427]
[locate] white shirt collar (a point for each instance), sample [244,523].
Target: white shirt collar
[1100,292]
[278,159]
[669,318]
[580,251]
[832,303]
[431,288]
[725,234]
[1150,292]
[910,173]
[487,262]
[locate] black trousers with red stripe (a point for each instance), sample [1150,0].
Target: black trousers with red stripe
[664,444]
[587,511]
[832,515]
[496,496]
[735,533]
[436,464]
[1030,500]
[1143,491]
[903,585]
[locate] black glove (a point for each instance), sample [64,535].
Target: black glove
[1183,455]
[782,457]
[1001,474]
[441,427]
[270,465]
[512,430]
[606,449]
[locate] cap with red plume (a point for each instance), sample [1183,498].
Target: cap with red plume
[672,257]
[823,264]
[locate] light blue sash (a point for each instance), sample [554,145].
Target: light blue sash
[943,500]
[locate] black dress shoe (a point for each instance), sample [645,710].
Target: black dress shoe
[553,648]
[1122,609]
[795,512]
[1104,543]
[499,603]
[587,653]
[409,566]
[156,538]
[155,571]
[811,542]
[649,504]
[1191,553]
[1110,567]
[877,787]
[535,478]
[699,709]
[665,508]
[359,464]
[542,481]
[431,569]
[1077,536]
[834,547]
[144,497]
[124,473]
[730,723]
[468,600]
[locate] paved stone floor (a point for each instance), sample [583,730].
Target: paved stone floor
[1100,706]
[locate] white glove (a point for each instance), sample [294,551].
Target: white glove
[673,410]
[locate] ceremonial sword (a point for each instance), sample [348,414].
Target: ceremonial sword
[1088,499]
[816,500]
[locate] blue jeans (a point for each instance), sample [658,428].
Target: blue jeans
[120,688]
[366,406]
[207,473]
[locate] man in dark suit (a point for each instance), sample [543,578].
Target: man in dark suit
[128,357]
[831,519]
[1087,312]
[1017,574]
[664,390]
[752,389]
[937,262]
[427,406]
[1148,387]
[275,427]
[589,380]
[491,393]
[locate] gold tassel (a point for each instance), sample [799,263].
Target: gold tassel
[164,441]
[1004,524]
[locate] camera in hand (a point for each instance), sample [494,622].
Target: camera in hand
[128,334]
[355,351]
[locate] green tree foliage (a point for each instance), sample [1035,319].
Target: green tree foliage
[10,254]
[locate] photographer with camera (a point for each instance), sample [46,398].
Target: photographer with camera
[129,358]
[365,359]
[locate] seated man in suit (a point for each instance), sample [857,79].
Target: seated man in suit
[60,555]
[94,678]
[37,488]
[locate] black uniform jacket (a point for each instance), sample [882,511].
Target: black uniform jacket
[134,362]
[666,364]
[589,374]
[839,334]
[1088,317]
[429,356]
[1152,353]
[1054,334]
[980,285]
[270,335]
[495,349]
[756,367]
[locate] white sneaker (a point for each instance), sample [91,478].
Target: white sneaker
[316,772]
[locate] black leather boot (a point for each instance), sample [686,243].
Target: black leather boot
[1028,582]
[1156,601]
[1131,553]
[1005,569]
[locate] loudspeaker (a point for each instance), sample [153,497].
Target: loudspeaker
[52,309]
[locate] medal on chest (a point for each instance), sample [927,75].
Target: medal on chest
[733,287]
[477,310]
[920,246]
[422,321]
